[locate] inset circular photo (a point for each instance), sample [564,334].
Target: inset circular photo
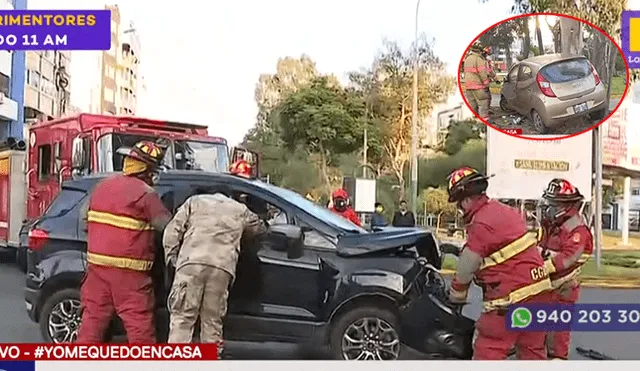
[543,76]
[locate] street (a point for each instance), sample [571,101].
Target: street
[15,326]
[570,127]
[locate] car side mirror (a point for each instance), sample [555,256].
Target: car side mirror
[449,248]
[287,237]
[78,155]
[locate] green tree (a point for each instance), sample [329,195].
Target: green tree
[460,132]
[436,201]
[325,120]
[502,36]
[388,88]
[435,170]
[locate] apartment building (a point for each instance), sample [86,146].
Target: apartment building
[8,104]
[129,81]
[48,84]
[437,122]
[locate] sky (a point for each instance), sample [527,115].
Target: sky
[201,60]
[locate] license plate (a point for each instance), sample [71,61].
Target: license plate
[578,108]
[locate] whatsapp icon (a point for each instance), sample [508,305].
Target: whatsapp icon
[520,318]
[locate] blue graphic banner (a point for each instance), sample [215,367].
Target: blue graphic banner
[630,37]
[17,365]
[55,30]
[578,317]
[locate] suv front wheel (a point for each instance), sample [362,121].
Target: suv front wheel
[366,333]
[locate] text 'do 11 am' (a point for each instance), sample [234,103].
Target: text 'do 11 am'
[31,40]
[578,317]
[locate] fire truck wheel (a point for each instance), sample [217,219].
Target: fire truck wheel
[21,258]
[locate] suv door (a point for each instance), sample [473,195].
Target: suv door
[274,297]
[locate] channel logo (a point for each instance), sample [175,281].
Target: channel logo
[630,37]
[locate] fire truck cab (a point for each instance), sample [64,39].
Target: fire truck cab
[85,144]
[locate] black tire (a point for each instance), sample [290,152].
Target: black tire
[21,258]
[598,115]
[539,124]
[50,304]
[355,315]
[504,106]
[48,307]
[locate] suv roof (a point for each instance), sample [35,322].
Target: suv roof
[87,182]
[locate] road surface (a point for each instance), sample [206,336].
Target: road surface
[15,326]
[572,126]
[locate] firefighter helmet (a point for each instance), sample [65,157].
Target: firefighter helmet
[144,151]
[241,168]
[561,190]
[339,193]
[465,182]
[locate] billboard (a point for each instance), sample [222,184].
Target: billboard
[620,139]
[523,168]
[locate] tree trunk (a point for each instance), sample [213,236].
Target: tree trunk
[539,36]
[571,36]
[401,190]
[509,57]
[324,171]
[526,43]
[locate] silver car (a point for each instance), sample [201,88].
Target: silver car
[551,89]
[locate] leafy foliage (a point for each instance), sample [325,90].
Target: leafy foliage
[436,201]
[460,132]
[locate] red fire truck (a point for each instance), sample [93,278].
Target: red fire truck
[31,173]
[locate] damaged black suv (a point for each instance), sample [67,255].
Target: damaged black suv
[314,278]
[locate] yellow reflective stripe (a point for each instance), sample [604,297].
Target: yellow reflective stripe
[518,295]
[539,234]
[566,278]
[583,258]
[509,251]
[119,262]
[549,267]
[118,221]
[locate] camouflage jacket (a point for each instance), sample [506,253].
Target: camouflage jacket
[207,230]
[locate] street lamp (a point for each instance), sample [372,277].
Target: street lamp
[414,122]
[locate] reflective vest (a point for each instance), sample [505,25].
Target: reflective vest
[513,273]
[119,233]
[561,240]
[476,72]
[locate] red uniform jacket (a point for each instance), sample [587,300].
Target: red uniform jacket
[512,269]
[121,212]
[349,214]
[570,245]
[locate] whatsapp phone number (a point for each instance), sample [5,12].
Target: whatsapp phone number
[586,316]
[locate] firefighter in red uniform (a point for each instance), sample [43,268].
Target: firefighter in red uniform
[340,201]
[123,213]
[567,243]
[503,259]
[241,168]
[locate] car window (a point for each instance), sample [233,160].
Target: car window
[525,73]
[568,70]
[266,211]
[313,238]
[317,211]
[65,201]
[513,74]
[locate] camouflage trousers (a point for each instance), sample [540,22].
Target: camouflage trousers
[198,291]
[479,100]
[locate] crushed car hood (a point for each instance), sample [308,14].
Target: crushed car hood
[388,240]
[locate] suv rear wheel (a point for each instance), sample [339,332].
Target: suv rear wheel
[365,333]
[60,317]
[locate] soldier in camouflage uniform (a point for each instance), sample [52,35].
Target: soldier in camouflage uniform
[202,241]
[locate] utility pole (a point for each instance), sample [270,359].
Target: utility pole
[414,121]
[364,155]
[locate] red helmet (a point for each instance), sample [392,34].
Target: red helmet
[144,151]
[241,168]
[465,182]
[340,193]
[561,190]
